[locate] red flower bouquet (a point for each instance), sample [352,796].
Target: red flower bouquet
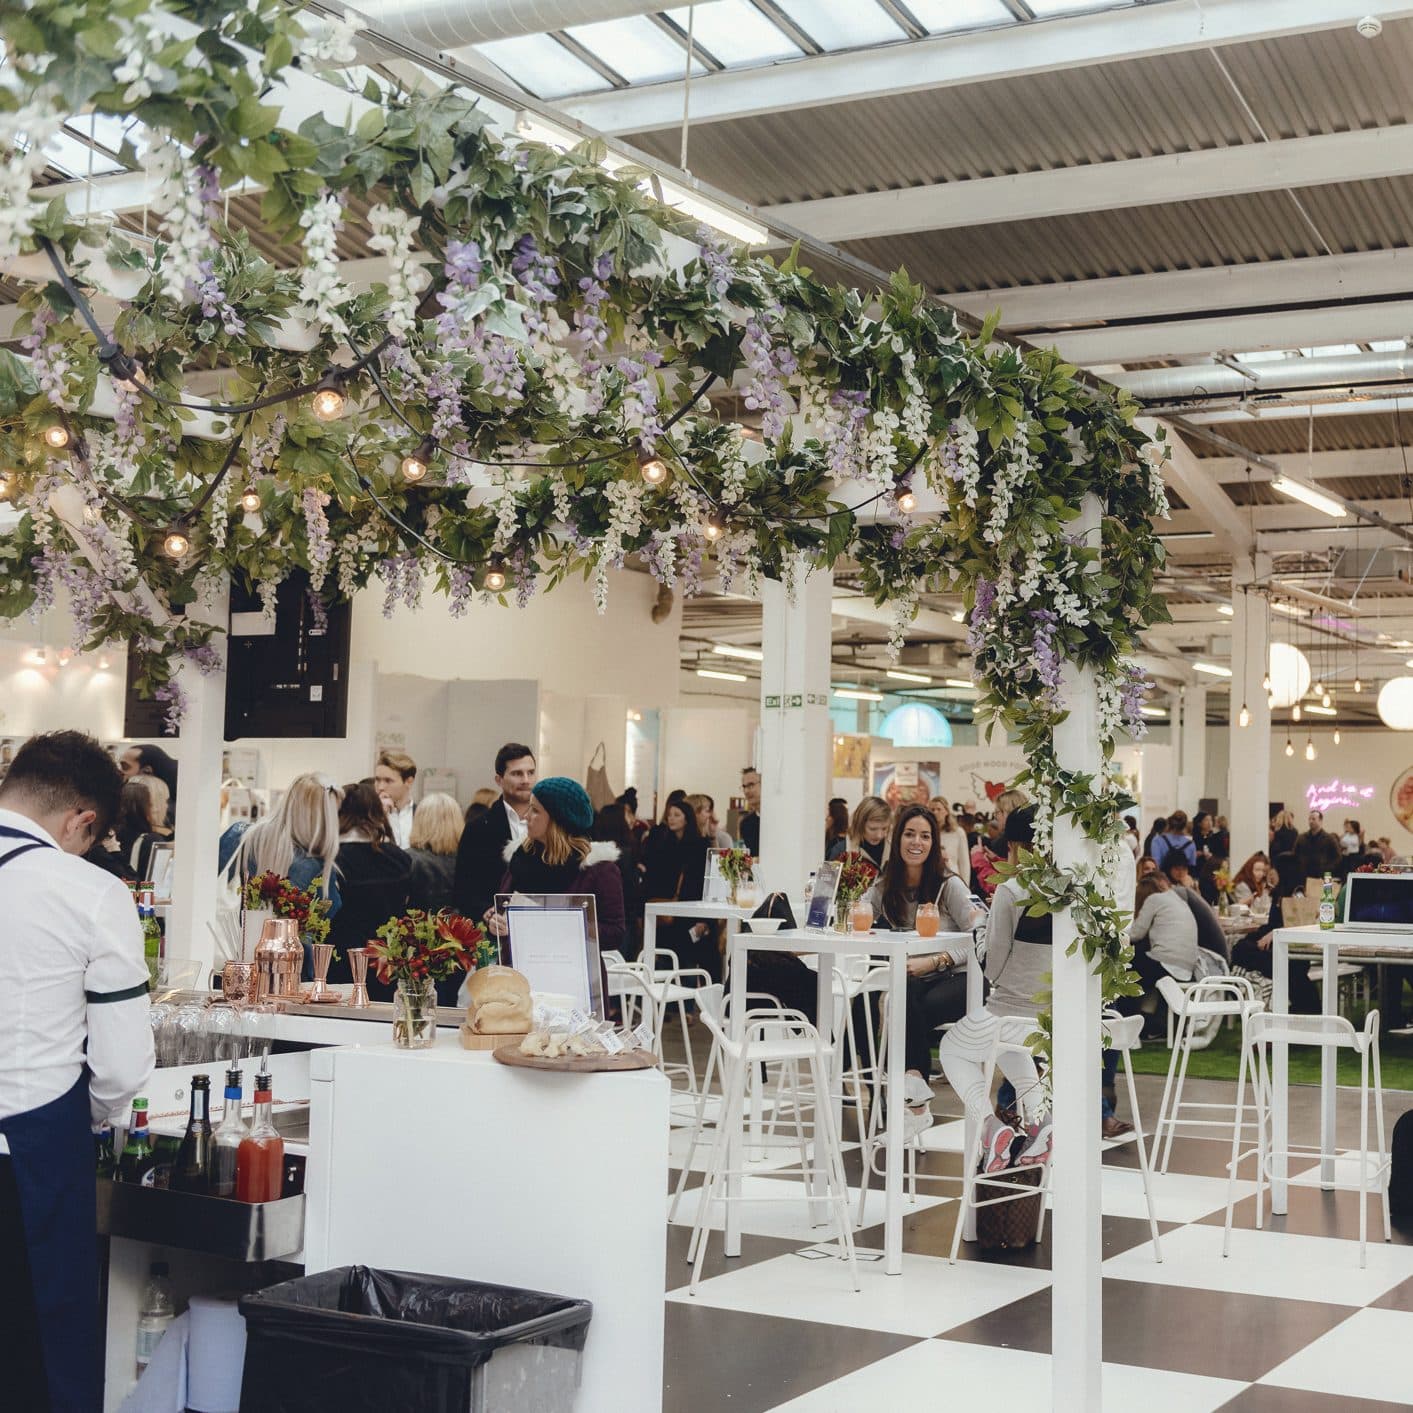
[856,875]
[306,906]
[422,946]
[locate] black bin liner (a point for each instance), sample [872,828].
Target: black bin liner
[355,1338]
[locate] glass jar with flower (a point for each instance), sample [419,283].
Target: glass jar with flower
[736,868]
[417,950]
[856,875]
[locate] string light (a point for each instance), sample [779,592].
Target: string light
[176,545]
[4,485]
[906,502]
[1358,685]
[1295,712]
[713,527]
[653,468]
[415,463]
[1243,717]
[1289,747]
[250,500]
[1336,736]
[328,401]
[1325,699]
[1309,748]
[56,435]
[495,576]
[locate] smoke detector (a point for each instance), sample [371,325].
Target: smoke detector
[1371,26]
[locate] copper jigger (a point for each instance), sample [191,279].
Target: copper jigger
[240,985]
[279,956]
[358,961]
[321,991]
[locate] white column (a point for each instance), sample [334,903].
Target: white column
[1192,773]
[1249,774]
[1076,1321]
[198,832]
[796,735]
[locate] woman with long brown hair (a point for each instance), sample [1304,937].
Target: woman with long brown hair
[1253,879]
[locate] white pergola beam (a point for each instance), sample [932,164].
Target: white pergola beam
[954,59]
[1321,278]
[1322,466]
[1361,155]
[1204,497]
[1192,338]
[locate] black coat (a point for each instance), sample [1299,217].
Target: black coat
[373,884]
[480,862]
[433,880]
[673,867]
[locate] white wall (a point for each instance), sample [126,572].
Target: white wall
[704,749]
[81,696]
[1366,765]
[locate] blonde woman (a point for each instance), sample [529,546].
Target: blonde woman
[953,839]
[299,838]
[436,835]
[708,826]
[142,820]
[868,830]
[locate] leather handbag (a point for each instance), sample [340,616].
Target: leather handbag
[600,792]
[1009,1226]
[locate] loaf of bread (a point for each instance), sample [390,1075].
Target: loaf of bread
[498,1002]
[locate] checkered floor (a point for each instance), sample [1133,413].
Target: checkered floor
[1288,1322]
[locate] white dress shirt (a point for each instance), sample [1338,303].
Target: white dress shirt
[519,830]
[71,971]
[400,821]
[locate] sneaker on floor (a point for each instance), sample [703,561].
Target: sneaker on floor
[1115,1127]
[996,1141]
[916,1121]
[916,1090]
[1037,1150]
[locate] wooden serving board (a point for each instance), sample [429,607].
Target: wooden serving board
[471,1041]
[583,1064]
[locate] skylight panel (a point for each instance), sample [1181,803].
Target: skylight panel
[836,26]
[1041,9]
[77,159]
[636,48]
[540,64]
[735,32]
[1388,345]
[1261,355]
[943,16]
[1330,350]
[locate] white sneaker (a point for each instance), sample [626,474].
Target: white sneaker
[916,1090]
[916,1121]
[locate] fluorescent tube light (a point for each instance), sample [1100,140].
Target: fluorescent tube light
[1226,610]
[858,694]
[722,676]
[731,650]
[1318,710]
[957,682]
[1187,535]
[899,675]
[1308,495]
[1154,711]
[1212,669]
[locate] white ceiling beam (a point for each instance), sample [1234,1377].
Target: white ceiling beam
[1190,338]
[1107,186]
[928,621]
[1318,279]
[954,59]
[1322,466]
[1204,497]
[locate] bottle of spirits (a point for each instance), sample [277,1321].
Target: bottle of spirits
[228,1137]
[1327,904]
[192,1170]
[138,1163]
[260,1159]
[151,931]
[154,1314]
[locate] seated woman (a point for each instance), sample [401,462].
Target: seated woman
[1018,967]
[987,856]
[1164,935]
[1253,879]
[916,872]
[1253,952]
[142,821]
[674,869]
[868,830]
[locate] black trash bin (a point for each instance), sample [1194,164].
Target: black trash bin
[354,1338]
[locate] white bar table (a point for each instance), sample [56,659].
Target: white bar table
[895,948]
[1363,945]
[729,913]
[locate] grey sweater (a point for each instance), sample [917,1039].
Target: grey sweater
[1167,922]
[1018,970]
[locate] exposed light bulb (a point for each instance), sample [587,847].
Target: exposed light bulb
[328,401]
[1295,712]
[416,464]
[653,468]
[250,501]
[906,502]
[1358,685]
[1336,736]
[1289,748]
[495,576]
[1266,684]
[1325,699]
[1244,716]
[176,545]
[713,527]
[1320,689]
[1309,749]
[56,435]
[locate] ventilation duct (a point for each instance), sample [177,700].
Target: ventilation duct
[455,24]
[1220,380]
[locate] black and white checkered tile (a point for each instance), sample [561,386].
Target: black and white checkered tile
[1288,1322]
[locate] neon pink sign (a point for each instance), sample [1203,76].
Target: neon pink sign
[1337,794]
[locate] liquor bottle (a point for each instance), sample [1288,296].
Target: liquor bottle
[192,1170]
[260,1159]
[229,1133]
[138,1163]
[151,931]
[154,1314]
[107,1162]
[1327,904]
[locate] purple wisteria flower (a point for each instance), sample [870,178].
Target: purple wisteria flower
[522,568]
[640,395]
[844,441]
[461,585]
[214,304]
[716,262]
[316,528]
[205,657]
[769,365]
[318,614]
[444,392]
[980,612]
[402,574]
[177,703]
[47,359]
[1047,657]
[1133,693]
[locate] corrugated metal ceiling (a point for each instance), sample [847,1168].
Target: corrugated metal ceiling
[1276,436]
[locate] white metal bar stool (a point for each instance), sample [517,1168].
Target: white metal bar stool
[1124,1034]
[1199,1007]
[665,987]
[783,1037]
[1324,1031]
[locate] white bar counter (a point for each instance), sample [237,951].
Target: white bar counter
[446,1162]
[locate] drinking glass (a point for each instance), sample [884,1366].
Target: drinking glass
[861,916]
[929,920]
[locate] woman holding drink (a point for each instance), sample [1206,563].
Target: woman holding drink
[917,890]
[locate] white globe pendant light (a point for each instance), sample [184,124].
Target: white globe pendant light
[1396,703]
[1290,674]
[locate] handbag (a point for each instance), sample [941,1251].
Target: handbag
[600,792]
[1009,1226]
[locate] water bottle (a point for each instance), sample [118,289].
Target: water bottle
[1327,904]
[154,1315]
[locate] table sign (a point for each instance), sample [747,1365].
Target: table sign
[554,944]
[715,888]
[821,900]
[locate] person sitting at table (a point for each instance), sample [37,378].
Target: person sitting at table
[1018,962]
[986,857]
[868,829]
[674,870]
[916,872]
[1253,879]
[1210,936]
[1253,952]
[1164,936]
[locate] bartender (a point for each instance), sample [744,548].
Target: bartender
[75,1046]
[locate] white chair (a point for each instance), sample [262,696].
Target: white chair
[1124,1034]
[666,986]
[1198,1007]
[771,1037]
[1326,1032]
[1352,980]
[625,985]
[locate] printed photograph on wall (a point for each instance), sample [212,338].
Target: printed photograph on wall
[851,757]
[1400,799]
[907,782]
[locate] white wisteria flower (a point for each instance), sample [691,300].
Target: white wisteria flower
[319,284]
[176,197]
[24,131]
[393,230]
[329,43]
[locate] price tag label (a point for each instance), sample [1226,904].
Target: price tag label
[611,1041]
[643,1036]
